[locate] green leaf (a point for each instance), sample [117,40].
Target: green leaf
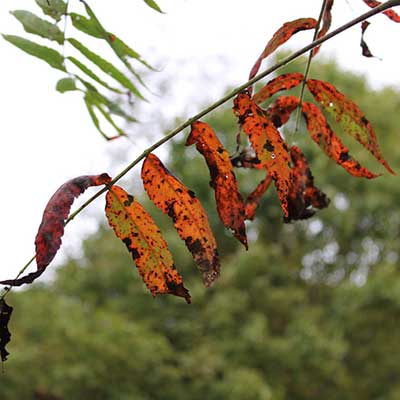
[153,5]
[38,26]
[66,85]
[53,8]
[92,75]
[87,25]
[106,67]
[52,57]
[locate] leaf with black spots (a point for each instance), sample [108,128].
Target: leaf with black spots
[229,201]
[270,148]
[304,197]
[51,229]
[135,227]
[253,199]
[5,335]
[389,13]
[326,24]
[281,82]
[349,115]
[190,219]
[281,110]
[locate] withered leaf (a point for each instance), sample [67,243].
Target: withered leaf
[5,335]
[135,227]
[323,135]
[349,115]
[190,219]
[389,13]
[281,82]
[326,24]
[230,205]
[304,196]
[51,229]
[253,199]
[268,144]
[281,110]
[281,36]
[366,52]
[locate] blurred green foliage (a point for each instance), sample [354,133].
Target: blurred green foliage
[311,311]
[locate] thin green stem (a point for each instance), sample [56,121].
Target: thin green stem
[218,103]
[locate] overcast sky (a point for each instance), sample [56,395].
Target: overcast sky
[48,138]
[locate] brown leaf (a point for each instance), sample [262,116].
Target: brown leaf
[51,229]
[326,24]
[135,227]
[281,110]
[323,135]
[268,144]
[281,82]
[5,335]
[304,196]
[366,52]
[349,115]
[191,222]
[281,36]
[253,199]
[229,201]
[389,13]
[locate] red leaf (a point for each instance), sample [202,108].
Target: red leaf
[304,196]
[366,52]
[326,24]
[253,199]
[389,13]
[281,110]
[323,135]
[349,115]
[268,144]
[174,199]
[51,229]
[229,201]
[281,36]
[5,335]
[281,82]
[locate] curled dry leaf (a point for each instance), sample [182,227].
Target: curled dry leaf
[281,110]
[366,52]
[51,229]
[389,13]
[190,219]
[304,197]
[229,201]
[281,82]
[135,227]
[268,144]
[326,24]
[281,36]
[323,135]
[253,199]
[5,335]
[349,115]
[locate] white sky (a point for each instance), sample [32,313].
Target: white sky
[48,138]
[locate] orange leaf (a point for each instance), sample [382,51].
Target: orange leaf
[190,220]
[323,135]
[304,196]
[281,110]
[135,227]
[349,115]
[268,144]
[229,201]
[281,36]
[51,229]
[281,82]
[389,13]
[326,24]
[254,198]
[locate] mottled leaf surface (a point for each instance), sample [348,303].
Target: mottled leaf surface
[5,335]
[349,115]
[135,227]
[268,144]
[323,135]
[389,13]
[229,201]
[253,199]
[326,23]
[304,197]
[281,82]
[281,110]
[190,219]
[53,8]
